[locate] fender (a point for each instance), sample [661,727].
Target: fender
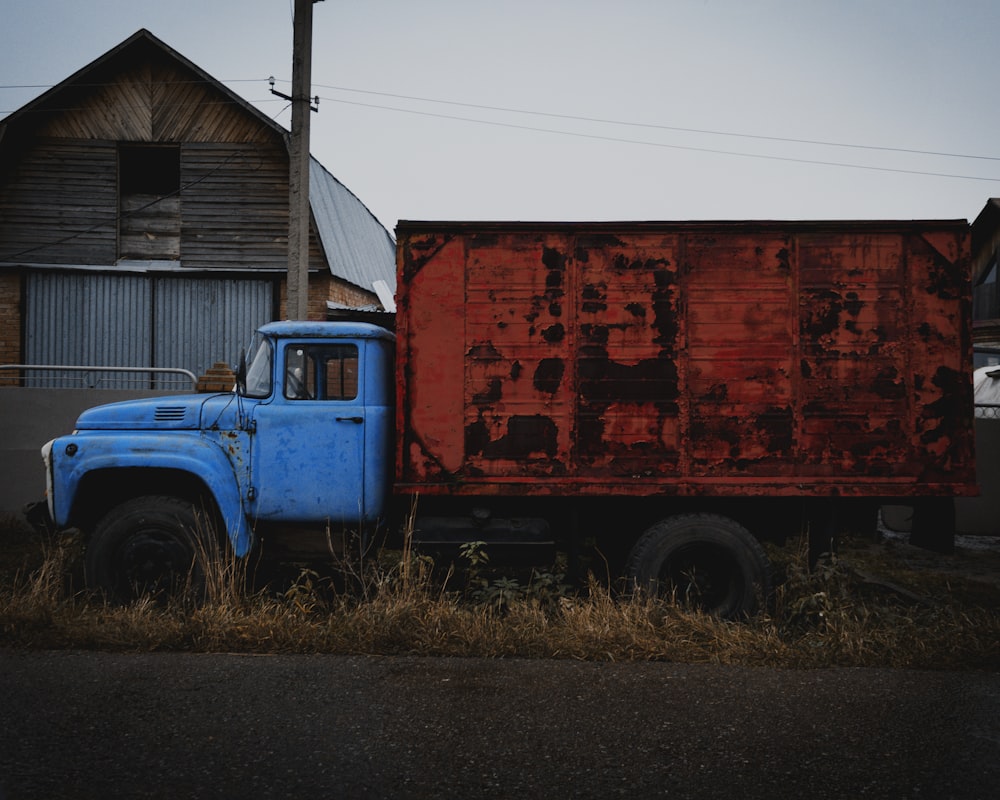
[77,455]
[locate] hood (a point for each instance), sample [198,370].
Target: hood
[183,412]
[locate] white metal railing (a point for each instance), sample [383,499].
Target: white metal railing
[91,377]
[984,411]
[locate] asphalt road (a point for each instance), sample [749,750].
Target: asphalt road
[82,725]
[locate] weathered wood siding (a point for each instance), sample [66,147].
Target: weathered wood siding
[59,204]
[234,206]
[149,227]
[154,101]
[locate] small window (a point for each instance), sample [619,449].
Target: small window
[149,203]
[985,298]
[152,171]
[990,276]
[321,372]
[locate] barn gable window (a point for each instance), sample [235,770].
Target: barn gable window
[986,300]
[149,204]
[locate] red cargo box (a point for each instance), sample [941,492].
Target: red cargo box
[715,358]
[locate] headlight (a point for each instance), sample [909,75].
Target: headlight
[47,458]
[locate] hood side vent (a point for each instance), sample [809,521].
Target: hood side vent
[170,413]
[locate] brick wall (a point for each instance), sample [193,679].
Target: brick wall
[349,295]
[316,304]
[10,323]
[327,287]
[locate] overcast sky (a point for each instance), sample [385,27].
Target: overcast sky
[588,110]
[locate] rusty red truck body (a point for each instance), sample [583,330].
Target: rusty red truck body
[752,369]
[691,359]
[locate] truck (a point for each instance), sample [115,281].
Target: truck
[656,399]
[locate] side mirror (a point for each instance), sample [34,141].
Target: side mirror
[241,373]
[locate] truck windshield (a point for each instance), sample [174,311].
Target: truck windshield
[259,371]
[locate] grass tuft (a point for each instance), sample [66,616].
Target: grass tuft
[871,605]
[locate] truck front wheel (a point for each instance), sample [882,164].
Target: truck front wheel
[148,546]
[703,561]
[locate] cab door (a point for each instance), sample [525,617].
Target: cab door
[308,451]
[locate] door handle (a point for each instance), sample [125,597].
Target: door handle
[357,420]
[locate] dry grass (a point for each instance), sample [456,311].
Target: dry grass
[868,607]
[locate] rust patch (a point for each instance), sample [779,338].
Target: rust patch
[493,393]
[603,381]
[821,314]
[419,250]
[484,352]
[594,299]
[948,409]
[665,318]
[784,261]
[650,382]
[526,437]
[778,426]
[554,333]
[549,374]
[744,442]
[889,385]
[944,278]
[553,259]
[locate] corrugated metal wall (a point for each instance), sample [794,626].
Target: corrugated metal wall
[88,320]
[200,321]
[138,321]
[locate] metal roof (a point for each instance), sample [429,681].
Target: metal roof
[358,248]
[325,330]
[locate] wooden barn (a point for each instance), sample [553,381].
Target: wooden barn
[144,220]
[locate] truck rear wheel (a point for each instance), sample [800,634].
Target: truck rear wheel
[148,546]
[703,561]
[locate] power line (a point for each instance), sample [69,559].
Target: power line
[653,126]
[692,148]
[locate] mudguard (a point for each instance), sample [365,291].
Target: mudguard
[79,454]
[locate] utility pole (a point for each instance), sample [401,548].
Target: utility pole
[297,302]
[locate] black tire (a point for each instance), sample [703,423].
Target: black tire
[703,561]
[148,546]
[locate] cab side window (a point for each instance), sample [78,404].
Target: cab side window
[321,372]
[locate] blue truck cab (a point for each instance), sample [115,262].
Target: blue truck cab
[304,440]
